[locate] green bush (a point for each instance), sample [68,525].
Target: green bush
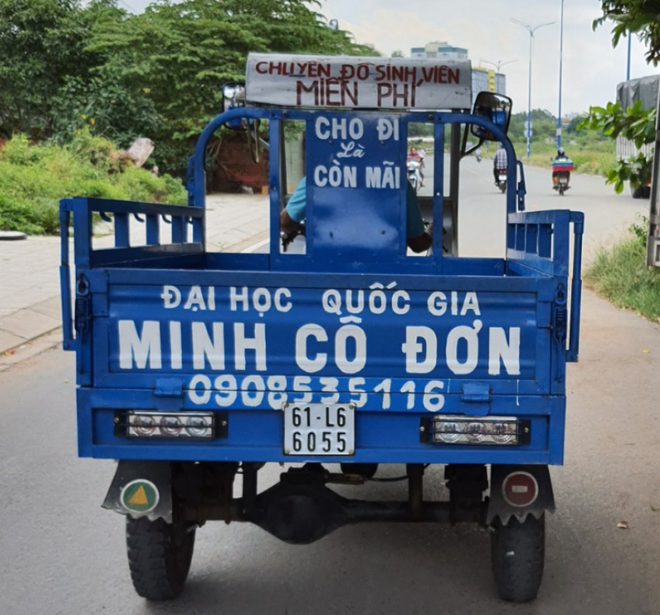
[620,275]
[31,218]
[33,178]
[592,157]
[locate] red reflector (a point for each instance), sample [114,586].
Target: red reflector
[520,489]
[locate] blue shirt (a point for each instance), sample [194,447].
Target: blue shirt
[298,202]
[297,206]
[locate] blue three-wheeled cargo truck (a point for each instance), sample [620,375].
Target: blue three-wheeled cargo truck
[360,347]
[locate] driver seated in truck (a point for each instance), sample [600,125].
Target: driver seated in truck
[418,238]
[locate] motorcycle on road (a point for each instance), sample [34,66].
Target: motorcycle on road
[561,174]
[413,169]
[501,179]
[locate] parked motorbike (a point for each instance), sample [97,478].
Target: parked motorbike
[414,174]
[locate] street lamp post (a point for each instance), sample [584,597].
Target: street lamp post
[561,60]
[531,30]
[497,64]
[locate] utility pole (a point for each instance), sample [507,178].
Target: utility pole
[531,30]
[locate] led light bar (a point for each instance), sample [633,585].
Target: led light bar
[148,424]
[491,430]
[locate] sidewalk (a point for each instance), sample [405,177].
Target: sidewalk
[29,269]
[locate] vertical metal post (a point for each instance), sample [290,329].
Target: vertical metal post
[628,62]
[653,236]
[529,97]
[454,169]
[531,31]
[561,61]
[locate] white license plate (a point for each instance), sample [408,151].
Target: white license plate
[319,429]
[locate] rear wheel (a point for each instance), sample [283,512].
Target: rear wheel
[518,553]
[159,556]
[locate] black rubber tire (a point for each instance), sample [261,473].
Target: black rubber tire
[159,556]
[518,553]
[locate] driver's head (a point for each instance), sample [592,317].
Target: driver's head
[561,152]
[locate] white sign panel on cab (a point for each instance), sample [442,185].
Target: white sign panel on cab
[288,80]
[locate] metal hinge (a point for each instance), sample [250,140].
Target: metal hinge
[560,315]
[82,312]
[477,396]
[168,387]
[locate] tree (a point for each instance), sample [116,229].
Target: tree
[180,54]
[106,105]
[641,17]
[635,124]
[544,125]
[397,54]
[575,122]
[42,44]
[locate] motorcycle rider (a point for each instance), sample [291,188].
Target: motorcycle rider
[561,159]
[499,162]
[418,156]
[413,154]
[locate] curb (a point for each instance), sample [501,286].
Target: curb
[31,323]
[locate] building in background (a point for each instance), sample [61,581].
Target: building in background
[440,51]
[483,79]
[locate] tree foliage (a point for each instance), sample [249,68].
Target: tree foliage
[635,124]
[641,17]
[544,125]
[180,54]
[42,44]
[69,64]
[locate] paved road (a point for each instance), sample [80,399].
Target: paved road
[60,553]
[482,207]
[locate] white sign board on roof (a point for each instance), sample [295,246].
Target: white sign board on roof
[288,80]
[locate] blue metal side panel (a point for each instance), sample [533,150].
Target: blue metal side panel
[350,168]
[400,337]
[468,324]
[256,434]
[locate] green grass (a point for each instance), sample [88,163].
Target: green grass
[590,157]
[33,178]
[620,275]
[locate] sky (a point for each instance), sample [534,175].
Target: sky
[591,68]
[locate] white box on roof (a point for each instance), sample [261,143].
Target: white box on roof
[289,80]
